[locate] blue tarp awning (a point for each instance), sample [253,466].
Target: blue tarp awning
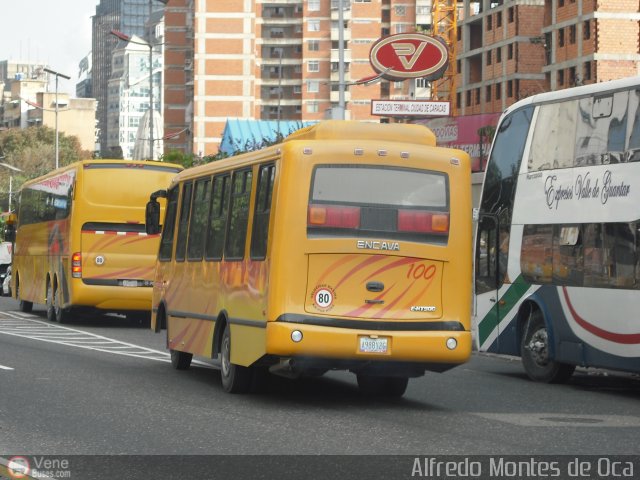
[243,134]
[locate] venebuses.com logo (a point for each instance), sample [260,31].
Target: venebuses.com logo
[19,467]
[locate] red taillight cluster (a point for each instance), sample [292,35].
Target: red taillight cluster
[422,222]
[333,216]
[76,265]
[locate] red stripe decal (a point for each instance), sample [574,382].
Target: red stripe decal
[624,338]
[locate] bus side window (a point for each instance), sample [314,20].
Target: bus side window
[166,241]
[217,218]
[238,215]
[199,217]
[183,224]
[262,212]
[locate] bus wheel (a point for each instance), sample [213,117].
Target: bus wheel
[61,315]
[24,306]
[180,360]
[51,313]
[235,378]
[534,349]
[382,386]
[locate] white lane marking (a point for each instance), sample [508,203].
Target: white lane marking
[27,326]
[2,367]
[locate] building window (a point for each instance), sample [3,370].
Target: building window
[498,91]
[468,102]
[458,100]
[561,37]
[313,45]
[313,26]
[401,28]
[477,96]
[458,66]
[510,51]
[400,10]
[586,30]
[422,83]
[487,93]
[489,22]
[572,76]
[314,5]
[312,107]
[572,34]
[510,88]
[498,19]
[498,54]
[586,71]
[313,66]
[560,77]
[489,57]
[511,14]
[297,89]
[560,3]
[313,86]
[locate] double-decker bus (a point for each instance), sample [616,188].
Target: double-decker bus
[557,246]
[81,244]
[347,246]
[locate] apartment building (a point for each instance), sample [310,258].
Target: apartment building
[274,60]
[129,17]
[511,49]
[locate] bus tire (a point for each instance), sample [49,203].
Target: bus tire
[235,378]
[49,302]
[23,305]
[382,386]
[181,360]
[534,350]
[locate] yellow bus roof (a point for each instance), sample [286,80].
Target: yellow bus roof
[354,130]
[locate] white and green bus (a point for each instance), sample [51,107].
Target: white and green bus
[557,255]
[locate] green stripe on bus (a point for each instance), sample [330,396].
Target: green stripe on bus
[510,298]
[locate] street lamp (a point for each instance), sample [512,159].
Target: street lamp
[150,44]
[57,74]
[15,169]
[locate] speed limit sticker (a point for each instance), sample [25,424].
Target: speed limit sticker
[323,297]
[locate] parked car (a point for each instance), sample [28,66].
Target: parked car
[6,283]
[5,260]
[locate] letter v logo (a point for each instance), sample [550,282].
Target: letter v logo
[408,54]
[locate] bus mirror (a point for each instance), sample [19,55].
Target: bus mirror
[152,217]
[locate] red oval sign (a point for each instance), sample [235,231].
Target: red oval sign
[409,55]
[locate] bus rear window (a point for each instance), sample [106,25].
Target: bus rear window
[366,201]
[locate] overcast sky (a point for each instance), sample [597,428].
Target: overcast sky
[57,33]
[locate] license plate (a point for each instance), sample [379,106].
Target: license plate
[373,345]
[129,283]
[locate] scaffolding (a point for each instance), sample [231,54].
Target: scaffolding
[445,25]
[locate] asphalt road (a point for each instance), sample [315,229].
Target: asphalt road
[102,387]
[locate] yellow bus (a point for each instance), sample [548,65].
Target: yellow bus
[347,246]
[81,244]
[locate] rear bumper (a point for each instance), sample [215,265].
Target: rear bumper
[110,298]
[421,342]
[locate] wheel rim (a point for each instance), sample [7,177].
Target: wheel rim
[226,355]
[538,347]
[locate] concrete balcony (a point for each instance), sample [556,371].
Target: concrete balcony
[335,54]
[335,34]
[335,96]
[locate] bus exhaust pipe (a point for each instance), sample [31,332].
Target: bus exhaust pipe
[287,367]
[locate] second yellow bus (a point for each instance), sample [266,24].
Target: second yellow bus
[347,246]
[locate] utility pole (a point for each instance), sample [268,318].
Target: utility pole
[57,74]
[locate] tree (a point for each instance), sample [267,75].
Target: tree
[33,151]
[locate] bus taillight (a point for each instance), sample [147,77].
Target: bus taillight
[76,265]
[422,222]
[334,216]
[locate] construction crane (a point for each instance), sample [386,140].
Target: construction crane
[445,25]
